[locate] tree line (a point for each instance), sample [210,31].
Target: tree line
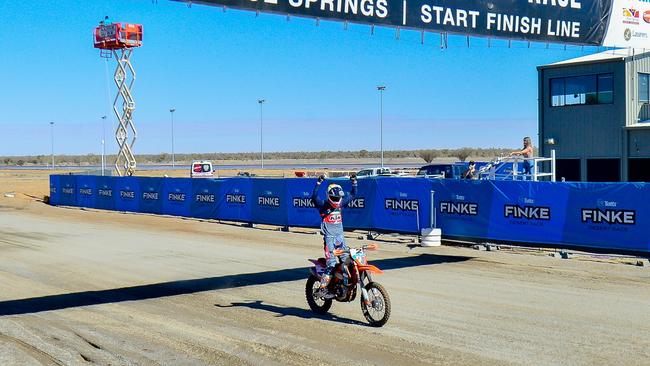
[427,155]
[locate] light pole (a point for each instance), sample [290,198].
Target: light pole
[52,135]
[381,89]
[261,102]
[103,146]
[171,112]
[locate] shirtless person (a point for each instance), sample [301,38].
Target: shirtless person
[527,153]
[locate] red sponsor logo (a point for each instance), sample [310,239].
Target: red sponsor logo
[334,218]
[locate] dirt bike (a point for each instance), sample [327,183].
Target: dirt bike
[375,303]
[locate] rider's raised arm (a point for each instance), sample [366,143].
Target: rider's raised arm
[353,192]
[318,202]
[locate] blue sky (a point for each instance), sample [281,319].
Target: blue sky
[320,82]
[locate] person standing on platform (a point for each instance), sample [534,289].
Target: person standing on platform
[527,153]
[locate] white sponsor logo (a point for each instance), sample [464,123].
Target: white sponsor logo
[459,208]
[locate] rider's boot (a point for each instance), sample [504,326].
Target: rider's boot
[323,291]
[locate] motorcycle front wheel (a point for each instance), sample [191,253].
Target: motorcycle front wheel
[318,305]
[377,311]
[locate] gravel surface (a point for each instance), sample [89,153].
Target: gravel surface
[79,286]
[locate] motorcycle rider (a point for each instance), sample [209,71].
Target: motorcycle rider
[332,226]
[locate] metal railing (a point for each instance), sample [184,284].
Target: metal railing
[435,176]
[492,170]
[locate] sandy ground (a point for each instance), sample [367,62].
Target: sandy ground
[82,286]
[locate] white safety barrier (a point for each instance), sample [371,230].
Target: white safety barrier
[431,237]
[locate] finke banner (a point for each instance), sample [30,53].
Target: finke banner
[611,23]
[605,216]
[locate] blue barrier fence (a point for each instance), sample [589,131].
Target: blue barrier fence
[603,216]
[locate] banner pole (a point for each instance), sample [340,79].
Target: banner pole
[552,165]
[432,218]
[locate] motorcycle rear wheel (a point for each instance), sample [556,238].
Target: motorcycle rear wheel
[378,312]
[317,304]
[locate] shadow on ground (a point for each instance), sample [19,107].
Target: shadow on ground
[282,311]
[183,287]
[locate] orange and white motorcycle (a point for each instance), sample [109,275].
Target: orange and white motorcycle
[375,303]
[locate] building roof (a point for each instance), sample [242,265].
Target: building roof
[610,55]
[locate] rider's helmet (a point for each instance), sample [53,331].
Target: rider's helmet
[335,195]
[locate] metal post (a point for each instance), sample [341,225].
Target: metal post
[432,219]
[108,102]
[103,146]
[171,112]
[552,165]
[261,102]
[52,136]
[381,89]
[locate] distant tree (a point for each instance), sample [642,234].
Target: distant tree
[161,158]
[363,153]
[463,154]
[428,155]
[20,162]
[91,158]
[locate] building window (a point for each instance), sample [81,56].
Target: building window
[605,89]
[582,90]
[644,92]
[557,92]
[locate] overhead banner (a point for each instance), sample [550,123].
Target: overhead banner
[615,23]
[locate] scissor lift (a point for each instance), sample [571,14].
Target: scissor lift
[119,40]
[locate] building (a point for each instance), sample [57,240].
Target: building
[595,112]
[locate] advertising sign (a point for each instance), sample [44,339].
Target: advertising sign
[534,213]
[403,203]
[463,207]
[235,199]
[127,194]
[205,198]
[55,190]
[629,24]
[269,202]
[604,216]
[67,190]
[151,195]
[105,192]
[301,210]
[87,191]
[607,214]
[177,195]
[616,23]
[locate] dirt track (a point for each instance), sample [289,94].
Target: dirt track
[81,286]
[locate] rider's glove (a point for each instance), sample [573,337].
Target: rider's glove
[321,179]
[353,178]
